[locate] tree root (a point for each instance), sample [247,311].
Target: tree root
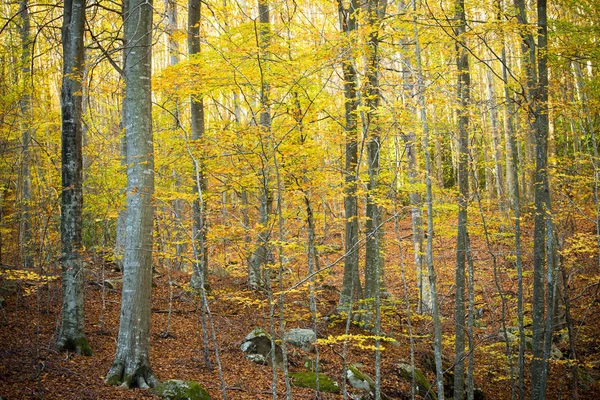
[79,346]
[135,375]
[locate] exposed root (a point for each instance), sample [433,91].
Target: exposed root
[135,375]
[79,346]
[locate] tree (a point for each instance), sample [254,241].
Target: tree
[542,233]
[463,92]
[263,253]
[375,11]
[200,273]
[131,366]
[26,113]
[351,288]
[72,336]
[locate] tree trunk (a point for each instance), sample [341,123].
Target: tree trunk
[351,289]
[539,366]
[437,326]
[497,152]
[375,11]
[26,236]
[463,85]
[263,254]
[200,270]
[72,336]
[132,363]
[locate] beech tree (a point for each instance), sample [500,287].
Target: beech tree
[26,235]
[462,111]
[72,335]
[351,288]
[200,262]
[131,366]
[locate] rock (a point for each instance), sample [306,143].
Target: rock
[257,347]
[8,287]
[555,353]
[301,338]
[176,389]
[359,380]
[112,283]
[309,380]
[423,387]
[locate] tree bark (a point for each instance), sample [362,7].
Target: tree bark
[375,10]
[463,86]
[26,235]
[541,235]
[200,270]
[351,289]
[437,326]
[131,366]
[263,254]
[72,336]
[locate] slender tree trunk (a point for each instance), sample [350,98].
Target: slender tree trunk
[541,235]
[497,144]
[375,10]
[72,336]
[177,204]
[515,200]
[437,326]
[26,236]
[263,253]
[131,366]
[416,198]
[351,289]
[463,85]
[529,64]
[197,117]
[122,216]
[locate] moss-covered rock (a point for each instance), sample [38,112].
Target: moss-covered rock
[176,389]
[360,380]
[309,380]
[257,347]
[423,386]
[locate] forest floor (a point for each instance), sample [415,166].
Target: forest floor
[29,321]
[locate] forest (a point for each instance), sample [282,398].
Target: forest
[330,199]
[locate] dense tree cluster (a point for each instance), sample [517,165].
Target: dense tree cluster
[264,137]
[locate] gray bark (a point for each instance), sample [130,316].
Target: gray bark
[497,144]
[463,86]
[26,235]
[197,116]
[375,10]
[121,219]
[416,198]
[72,336]
[542,236]
[131,366]
[437,326]
[515,202]
[351,289]
[263,253]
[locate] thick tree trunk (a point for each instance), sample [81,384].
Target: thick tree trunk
[26,236]
[72,336]
[200,272]
[351,289]
[132,363]
[463,84]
